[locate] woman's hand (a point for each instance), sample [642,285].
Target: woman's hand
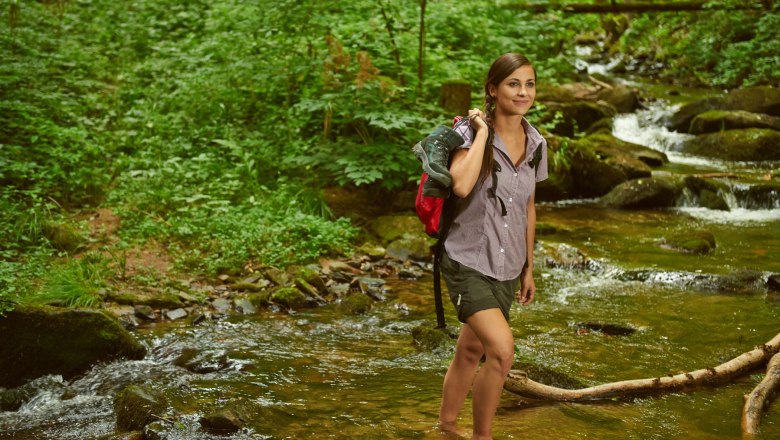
[527,290]
[477,119]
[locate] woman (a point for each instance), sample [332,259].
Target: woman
[489,248]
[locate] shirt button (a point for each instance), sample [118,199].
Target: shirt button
[510,199]
[506,225]
[515,174]
[502,250]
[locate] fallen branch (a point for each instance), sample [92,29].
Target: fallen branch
[761,397]
[518,382]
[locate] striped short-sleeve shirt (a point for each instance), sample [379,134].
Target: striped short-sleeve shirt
[480,237]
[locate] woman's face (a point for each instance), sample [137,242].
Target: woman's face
[516,93]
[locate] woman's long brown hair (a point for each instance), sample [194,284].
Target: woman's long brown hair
[499,71]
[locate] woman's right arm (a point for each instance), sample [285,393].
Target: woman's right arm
[466,163]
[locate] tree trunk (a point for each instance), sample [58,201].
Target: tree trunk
[421,51]
[613,7]
[761,397]
[519,383]
[455,97]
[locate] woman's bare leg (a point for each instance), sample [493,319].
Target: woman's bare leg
[493,331]
[460,375]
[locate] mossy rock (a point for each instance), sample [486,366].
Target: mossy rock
[759,196]
[692,242]
[289,297]
[415,248]
[45,340]
[594,177]
[546,375]
[392,227]
[136,406]
[720,120]
[374,252]
[750,144]
[708,192]
[277,276]
[260,299]
[643,194]
[762,99]
[63,236]
[621,97]
[607,146]
[577,116]
[311,277]
[426,337]
[355,304]
[681,120]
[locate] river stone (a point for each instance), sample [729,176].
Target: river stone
[714,121]
[749,144]
[221,305]
[260,299]
[136,406]
[425,337]
[312,277]
[201,362]
[245,306]
[146,312]
[562,255]
[621,97]
[156,431]
[46,340]
[277,276]
[310,292]
[374,252]
[751,99]
[592,176]
[134,435]
[759,196]
[610,329]
[707,192]
[692,242]
[410,273]
[649,193]
[355,304]
[229,419]
[392,227]
[605,145]
[173,315]
[289,297]
[415,248]
[373,287]
[682,118]
[773,282]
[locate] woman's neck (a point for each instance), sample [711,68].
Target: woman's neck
[507,124]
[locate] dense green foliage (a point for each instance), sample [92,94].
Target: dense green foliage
[212,126]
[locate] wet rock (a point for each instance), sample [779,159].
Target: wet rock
[621,97]
[260,299]
[245,306]
[410,273]
[256,286]
[647,193]
[758,196]
[425,337]
[681,120]
[173,315]
[221,305]
[134,435]
[289,297]
[547,375]
[145,312]
[310,291]
[592,177]
[561,255]
[692,242]
[312,278]
[714,121]
[373,251]
[136,406]
[373,287]
[277,276]
[162,301]
[355,304]
[186,298]
[202,362]
[741,281]
[762,99]
[338,289]
[416,248]
[12,399]
[229,419]
[749,144]
[393,227]
[707,193]
[773,282]
[607,329]
[156,431]
[44,340]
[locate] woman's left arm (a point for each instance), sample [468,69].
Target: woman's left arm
[527,287]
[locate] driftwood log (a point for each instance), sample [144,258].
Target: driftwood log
[518,382]
[757,401]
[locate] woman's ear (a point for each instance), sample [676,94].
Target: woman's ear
[492,91]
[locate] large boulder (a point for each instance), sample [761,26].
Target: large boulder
[751,99]
[719,120]
[707,193]
[621,97]
[592,176]
[643,194]
[44,340]
[749,144]
[137,406]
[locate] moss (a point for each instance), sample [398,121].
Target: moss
[289,297]
[63,237]
[246,287]
[260,299]
[355,304]
[429,338]
[693,242]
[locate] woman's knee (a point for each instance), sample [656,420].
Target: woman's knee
[470,352]
[503,354]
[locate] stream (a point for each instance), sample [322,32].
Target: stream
[318,373]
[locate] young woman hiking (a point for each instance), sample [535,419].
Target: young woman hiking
[488,254]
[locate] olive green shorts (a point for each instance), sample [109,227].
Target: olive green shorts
[471,291]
